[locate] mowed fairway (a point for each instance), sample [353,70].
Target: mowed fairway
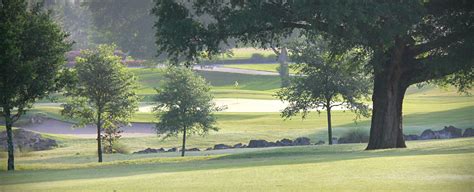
[260,67]
[442,165]
[223,84]
[435,165]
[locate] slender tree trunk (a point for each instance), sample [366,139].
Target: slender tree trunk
[9,125]
[328,110]
[390,85]
[184,143]
[284,69]
[99,141]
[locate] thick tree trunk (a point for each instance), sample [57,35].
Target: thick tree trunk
[9,125]
[99,139]
[328,111]
[184,143]
[386,130]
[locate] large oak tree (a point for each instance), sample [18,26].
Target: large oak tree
[409,41]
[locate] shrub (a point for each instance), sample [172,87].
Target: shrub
[355,136]
[257,56]
[120,148]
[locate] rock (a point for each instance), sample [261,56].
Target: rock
[147,150]
[446,133]
[221,146]
[161,150]
[258,143]
[174,149]
[27,140]
[411,137]
[272,144]
[428,134]
[320,142]
[193,149]
[449,132]
[469,132]
[209,148]
[284,142]
[238,145]
[343,140]
[302,141]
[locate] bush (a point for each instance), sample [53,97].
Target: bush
[120,148]
[257,56]
[355,136]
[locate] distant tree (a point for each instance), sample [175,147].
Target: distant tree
[283,68]
[32,49]
[409,41]
[325,81]
[184,105]
[102,92]
[126,23]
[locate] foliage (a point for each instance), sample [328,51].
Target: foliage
[110,138]
[184,104]
[126,23]
[74,19]
[101,91]
[409,42]
[32,51]
[182,101]
[354,136]
[324,81]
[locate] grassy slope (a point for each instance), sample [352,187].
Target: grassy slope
[250,86]
[442,165]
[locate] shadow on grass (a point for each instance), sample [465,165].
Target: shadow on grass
[415,123]
[272,157]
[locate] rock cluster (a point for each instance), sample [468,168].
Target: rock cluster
[252,144]
[447,132]
[24,140]
[162,150]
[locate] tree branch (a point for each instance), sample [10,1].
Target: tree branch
[439,42]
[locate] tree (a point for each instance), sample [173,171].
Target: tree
[324,81]
[409,42]
[129,24]
[184,104]
[283,68]
[32,51]
[102,92]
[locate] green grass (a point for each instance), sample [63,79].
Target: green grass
[441,165]
[427,108]
[260,67]
[245,53]
[250,86]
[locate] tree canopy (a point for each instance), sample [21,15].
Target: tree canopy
[409,42]
[101,91]
[184,105]
[128,24]
[325,81]
[32,49]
